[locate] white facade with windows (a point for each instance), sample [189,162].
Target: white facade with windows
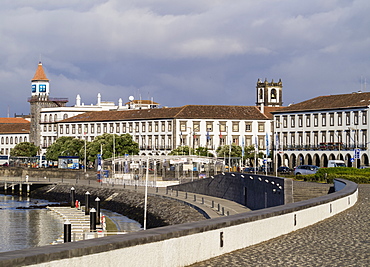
[322,129]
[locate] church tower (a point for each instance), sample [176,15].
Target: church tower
[269,94]
[39,99]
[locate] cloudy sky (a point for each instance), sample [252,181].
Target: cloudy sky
[183,52]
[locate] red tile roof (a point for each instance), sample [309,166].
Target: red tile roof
[8,128]
[330,102]
[40,74]
[185,112]
[13,120]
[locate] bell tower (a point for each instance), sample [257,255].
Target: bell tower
[269,94]
[39,99]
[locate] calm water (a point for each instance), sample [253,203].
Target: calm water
[26,228]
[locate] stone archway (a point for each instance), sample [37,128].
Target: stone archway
[308,159]
[364,160]
[300,160]
[331,157]
[293,161]
[348,160]
[316,160]
[323,160]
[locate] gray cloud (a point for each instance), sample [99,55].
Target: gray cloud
[189,52]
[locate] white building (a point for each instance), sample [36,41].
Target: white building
[324,128]
[12,132]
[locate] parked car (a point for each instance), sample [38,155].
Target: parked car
[283,169]
[305,169]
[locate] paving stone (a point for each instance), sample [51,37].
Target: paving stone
[342,240]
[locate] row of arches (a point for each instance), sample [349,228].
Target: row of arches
[294,160]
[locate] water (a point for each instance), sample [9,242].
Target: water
[26,228]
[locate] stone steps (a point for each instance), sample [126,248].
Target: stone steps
[304,190]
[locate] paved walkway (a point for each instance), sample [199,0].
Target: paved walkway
[342,240]
[212,206]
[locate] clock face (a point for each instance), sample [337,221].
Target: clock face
[34,88]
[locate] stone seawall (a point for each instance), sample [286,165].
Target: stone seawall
[47,172]
[161,211]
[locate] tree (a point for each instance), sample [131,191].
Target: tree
[203,151]
[124,144]
[24,149]
[223,151]
[65,146]
[182,150]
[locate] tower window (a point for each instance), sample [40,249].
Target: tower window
[273,94]
[42,88]
[261,94]
[34,88]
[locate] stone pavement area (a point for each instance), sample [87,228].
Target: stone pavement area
[342,240]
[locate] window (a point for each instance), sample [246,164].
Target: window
[364,117]
[222,126]
[209,126]
[7,140]
[2,140]
[73,129]
[130,127]
[235,126]
[117,128]
[292,121]
[355,117]
[149,126]
[67,129]
[45,128]
[33,88]
[323,119]
[50,118]
[79,129]
[111,128]
[273,93]
[182,126]
[143,127]
[65,116]
[261,127]
[92,128]
[99,128]
[169,126]
[137,127]
[45,118]
[61,129]
[277,122]
[248,126]
[42,88]
[339,119]
[196,126]
[105,128]
[55,117]
[156,128]
[11,140]
[49,127]
[331,119]
[124,127]
[308,120]
[348,118]
[15,140]
[300,121]
[323,137]
[163,126]
[315,120]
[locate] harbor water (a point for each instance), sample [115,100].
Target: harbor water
[25,223]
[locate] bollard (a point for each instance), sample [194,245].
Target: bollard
[135,186]
[156,189]
[28,189]
[73,200]
[218,207]
[227,213]
[92,220]
[67,231]
[223,211]
[202,200]
[177,193]
[213,204]
[186,195]
[124,185]
[87,202]
[195,198]
[97,201]
[166,191]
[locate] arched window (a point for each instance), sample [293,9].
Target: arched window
[55,117]
[65,116]
[273,93]
[20,139]
[2,140]
[15,140]
[25,139]
[11,140]
[7,140]
[50,118]
[45,118]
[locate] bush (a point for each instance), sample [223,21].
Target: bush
[360,176]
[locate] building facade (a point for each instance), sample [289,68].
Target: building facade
[324,128]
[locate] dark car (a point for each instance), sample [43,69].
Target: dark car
[249,169]
[284,169]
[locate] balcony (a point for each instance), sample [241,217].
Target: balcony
[325,147]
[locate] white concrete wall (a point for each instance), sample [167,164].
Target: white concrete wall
[189,249]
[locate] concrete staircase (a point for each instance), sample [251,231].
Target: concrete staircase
[307,190]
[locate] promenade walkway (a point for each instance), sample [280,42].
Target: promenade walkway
[213,207]
[342,240]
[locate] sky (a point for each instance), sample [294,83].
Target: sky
[198,52]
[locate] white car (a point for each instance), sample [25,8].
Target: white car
[305,169]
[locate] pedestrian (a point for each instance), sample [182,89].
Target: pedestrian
[26,178]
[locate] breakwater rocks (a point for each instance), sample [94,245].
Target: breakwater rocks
[161,211]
